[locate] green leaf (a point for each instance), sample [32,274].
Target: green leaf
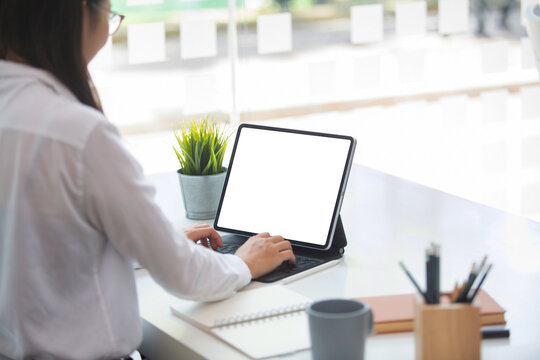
[200,146]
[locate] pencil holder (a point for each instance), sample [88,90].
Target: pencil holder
[447,331]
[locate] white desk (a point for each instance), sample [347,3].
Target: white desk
[386,219]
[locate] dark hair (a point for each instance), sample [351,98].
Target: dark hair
[48,35]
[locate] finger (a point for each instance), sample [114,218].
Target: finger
[264,235]
[204,242]
[203,233]
[277,239]
[215,240]
[187,233]
[288,255]
[200,226]
[194,227]
[284,245]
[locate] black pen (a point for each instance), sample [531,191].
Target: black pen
[479,270]
[495,333]
[436,292]
[413,281]
[465,291]
[471,298]
[429,277]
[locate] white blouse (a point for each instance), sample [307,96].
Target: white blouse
[75,210]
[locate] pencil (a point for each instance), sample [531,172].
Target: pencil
[480,284]
[455,292]
[482,263]
[472,276]
[413,281]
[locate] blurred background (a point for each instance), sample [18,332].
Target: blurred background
[441,92]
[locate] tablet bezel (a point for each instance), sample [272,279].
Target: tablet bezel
[340,195]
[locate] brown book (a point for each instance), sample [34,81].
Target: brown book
[395,313]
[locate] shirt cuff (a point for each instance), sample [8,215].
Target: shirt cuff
[244,275]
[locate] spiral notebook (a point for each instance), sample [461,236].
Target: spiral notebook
[261,323]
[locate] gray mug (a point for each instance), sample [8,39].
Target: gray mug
[338,329]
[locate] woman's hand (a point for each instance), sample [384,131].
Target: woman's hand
[206,234]
[263,253]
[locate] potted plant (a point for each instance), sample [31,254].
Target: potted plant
[200,150]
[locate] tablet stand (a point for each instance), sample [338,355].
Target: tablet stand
[340,239]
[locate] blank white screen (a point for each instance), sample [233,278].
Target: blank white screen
[284,183]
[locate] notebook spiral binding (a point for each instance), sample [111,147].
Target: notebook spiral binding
[258,321]
[233,320]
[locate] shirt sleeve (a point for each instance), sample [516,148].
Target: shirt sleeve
[118,201]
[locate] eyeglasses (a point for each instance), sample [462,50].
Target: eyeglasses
[114,19]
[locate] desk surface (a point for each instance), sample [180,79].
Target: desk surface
[386,219]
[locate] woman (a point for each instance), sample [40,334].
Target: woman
[75,208]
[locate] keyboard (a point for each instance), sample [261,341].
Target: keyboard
[228,248]
[285,269]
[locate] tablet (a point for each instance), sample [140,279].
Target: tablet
[286,182]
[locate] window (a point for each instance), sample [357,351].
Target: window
[428,97]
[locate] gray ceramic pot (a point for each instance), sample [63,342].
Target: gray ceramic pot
[201,194]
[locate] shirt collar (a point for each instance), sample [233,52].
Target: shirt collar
[10,69]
